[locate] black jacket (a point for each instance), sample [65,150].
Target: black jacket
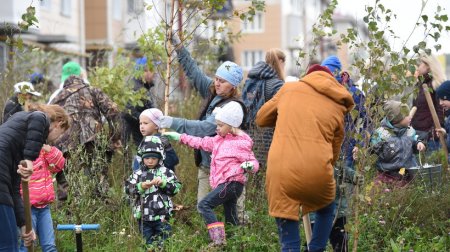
[12,106]
[422,120]
[21,137]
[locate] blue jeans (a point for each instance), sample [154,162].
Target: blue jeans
[289,235]
[8,229]
[225,194]
[43,226]
[288,231]
[155,231]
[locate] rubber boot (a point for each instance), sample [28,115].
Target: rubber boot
[216,232]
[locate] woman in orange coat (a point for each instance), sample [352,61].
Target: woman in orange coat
[309,119]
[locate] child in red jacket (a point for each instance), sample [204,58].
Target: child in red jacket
[50,161]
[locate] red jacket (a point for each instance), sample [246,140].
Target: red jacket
[41,182]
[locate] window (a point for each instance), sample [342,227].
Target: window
[135,6]
[2,56]
[255,25]
[117,9]
[46,4]
[296,6]
[251,57]
[66,8]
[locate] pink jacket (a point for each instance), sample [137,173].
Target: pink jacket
[41,182]
[228,153]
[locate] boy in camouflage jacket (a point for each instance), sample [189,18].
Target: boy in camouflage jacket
[151,187]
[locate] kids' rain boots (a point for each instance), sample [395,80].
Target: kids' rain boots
[216,232]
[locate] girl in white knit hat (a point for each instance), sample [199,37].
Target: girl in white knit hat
[231,158]
[149,124]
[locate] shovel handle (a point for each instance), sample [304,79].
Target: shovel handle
[307,225]
[437,125]
[27,207]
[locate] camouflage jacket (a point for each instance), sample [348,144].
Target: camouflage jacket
[154,203]
[86,107]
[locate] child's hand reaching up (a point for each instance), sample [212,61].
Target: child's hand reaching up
[421,146]
[172,135]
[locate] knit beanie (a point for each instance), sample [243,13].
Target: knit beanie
[443,91]
[230,72]
[395,111]
[154,115]
[70,68]
[334,64]
[141,63]
[35,78]
[231,114]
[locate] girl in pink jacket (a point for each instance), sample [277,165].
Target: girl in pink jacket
[231,158]
[50,161]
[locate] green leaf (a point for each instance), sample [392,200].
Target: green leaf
[436,36]
[406,50]
[425,18]
[438,47]
[422,44]
[372,26]
[366,19]
[379,35]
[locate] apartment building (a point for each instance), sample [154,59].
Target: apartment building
[79,30]
[285,24]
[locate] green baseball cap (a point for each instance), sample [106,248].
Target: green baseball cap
[70,68]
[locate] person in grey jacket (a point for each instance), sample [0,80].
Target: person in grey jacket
[215,93]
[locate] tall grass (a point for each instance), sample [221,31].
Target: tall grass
[399,220]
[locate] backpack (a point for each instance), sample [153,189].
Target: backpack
[253,96]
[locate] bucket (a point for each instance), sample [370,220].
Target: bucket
[430,175]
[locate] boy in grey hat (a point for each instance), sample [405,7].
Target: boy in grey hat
[395,143]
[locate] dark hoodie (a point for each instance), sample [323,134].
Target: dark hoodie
[261,85]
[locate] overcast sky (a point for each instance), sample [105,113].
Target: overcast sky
[407,13]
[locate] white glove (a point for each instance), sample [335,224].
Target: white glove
[247,166]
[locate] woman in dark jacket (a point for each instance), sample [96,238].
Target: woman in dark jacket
[431,73]
[21,139]
[263,82]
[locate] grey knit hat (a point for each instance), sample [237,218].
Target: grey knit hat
[395,111]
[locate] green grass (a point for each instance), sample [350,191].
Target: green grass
[400,220]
